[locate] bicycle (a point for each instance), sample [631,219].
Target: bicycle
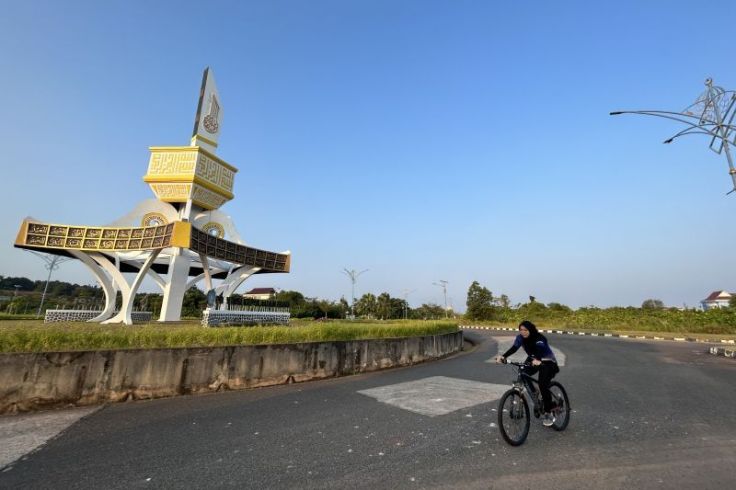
[513,408]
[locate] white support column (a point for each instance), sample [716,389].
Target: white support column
[175,287]
[157,279]
[207,273]
[195,280]
[125,313]
[234,280]
[119,281]
[105,282]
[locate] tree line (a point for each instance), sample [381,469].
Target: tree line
[20,295]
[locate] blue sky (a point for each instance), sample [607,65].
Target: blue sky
[422,140]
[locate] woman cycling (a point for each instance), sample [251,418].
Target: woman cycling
[542,359]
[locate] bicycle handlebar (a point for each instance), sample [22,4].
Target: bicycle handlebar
[517,364]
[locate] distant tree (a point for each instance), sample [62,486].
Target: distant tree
[383,306]
[294,298]
[652,304]
[398,307]
[428,311]
[9,283]
[194,302]
[325,307]
[732,301]
[479,303]
[366,305]
[559,308]
[503,301]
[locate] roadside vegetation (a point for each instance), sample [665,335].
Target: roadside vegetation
[485,308]
[35,336]
[379,316]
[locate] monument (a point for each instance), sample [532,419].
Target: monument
[178,239]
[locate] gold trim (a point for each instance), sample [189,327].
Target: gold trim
[205,205]
[219,160]
[149,216]
[200,137]
[213,225]
[40,235]
[22,233]
[181,235]
[188,179]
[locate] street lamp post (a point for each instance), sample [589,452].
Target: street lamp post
[353,275]
[406,302]
[15,295]
[52,263]
[712,114]
[443,284]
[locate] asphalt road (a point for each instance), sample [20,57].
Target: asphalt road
[646,414]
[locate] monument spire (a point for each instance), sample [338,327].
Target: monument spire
[208,121]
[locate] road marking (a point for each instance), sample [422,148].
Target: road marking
[437,395]
[505,342]
[21,434]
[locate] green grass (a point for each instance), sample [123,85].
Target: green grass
[35,336]
[6,316]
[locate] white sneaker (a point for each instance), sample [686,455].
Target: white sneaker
[548,420]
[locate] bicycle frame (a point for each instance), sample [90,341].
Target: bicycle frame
[527,386]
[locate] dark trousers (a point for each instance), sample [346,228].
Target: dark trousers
[547,371]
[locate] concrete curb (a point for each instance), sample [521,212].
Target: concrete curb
[718,351]
[40,380]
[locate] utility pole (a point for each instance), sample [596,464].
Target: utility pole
[13,308]
[52,263]
[443,284]
[353,275]
[406,302]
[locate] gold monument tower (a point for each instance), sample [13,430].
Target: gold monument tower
[178,239]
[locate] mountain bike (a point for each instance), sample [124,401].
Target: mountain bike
[513,408]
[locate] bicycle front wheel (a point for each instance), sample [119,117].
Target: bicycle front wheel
[513,417]
[561,406]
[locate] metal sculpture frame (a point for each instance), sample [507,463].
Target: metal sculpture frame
[712,114]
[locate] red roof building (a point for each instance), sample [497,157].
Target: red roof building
[717,299]
[260,293]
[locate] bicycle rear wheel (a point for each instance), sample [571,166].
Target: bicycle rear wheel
[513,417]
[561,409]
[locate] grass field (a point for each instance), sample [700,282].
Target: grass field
[31,335]
[35,336]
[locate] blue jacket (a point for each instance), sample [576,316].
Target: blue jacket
[540,350]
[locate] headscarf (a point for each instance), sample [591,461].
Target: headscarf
[534,335]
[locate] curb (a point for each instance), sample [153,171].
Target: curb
[718,351]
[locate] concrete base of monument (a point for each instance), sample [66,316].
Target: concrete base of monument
[265,315]
[37,381]
[54,316]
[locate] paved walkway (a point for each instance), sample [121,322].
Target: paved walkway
[21,434]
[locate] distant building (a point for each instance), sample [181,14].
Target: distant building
[262,293]
[716,299]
